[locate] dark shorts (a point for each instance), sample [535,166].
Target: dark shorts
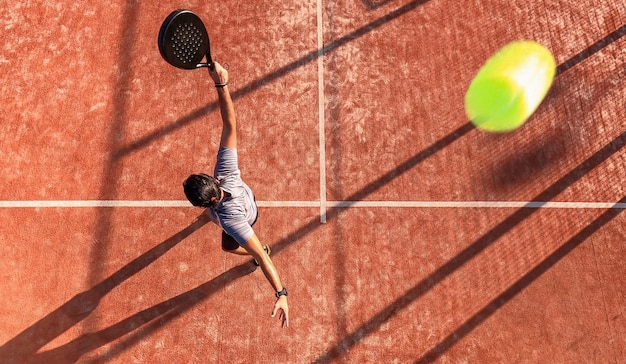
[228,242]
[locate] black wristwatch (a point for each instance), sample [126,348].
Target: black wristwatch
[282,292]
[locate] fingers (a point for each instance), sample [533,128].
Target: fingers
[219,74]
[285,319]
[216,66]
[283,316]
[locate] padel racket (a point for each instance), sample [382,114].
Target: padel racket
[184,41]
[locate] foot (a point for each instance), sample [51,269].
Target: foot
[268,250]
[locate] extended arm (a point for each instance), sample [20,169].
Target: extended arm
[254,247]
[229,139]
[229,127]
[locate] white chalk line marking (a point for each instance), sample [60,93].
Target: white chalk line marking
[315,204]
[321,110]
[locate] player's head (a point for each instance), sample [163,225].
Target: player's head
[202,190]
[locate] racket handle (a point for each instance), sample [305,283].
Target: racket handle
[210,65]
[209,62]
[209,59]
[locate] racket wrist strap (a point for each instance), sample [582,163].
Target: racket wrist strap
[221,85]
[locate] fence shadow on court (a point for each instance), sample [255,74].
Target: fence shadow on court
[143,323]
[271,77]
[615,146]
[491,236]
[375,4]
[495,304]
[479,246]
[23,348]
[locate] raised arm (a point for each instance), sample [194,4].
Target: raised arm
[229,127]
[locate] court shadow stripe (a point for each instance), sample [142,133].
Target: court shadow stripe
[143,323]
[471,251]
[279,73]
[485,313]
[23,347]
[592,49]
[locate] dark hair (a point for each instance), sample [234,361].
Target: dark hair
[202,190]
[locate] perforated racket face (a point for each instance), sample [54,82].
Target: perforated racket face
[183,39]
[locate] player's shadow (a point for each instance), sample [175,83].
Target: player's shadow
[23,348]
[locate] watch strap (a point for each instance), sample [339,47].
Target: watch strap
[282,292]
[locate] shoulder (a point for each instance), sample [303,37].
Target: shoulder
[227,161]
[227,152]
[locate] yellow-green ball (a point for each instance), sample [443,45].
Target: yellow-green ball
[510,86]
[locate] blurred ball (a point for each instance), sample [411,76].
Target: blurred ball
[510,86]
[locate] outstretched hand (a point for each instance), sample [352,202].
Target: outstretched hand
[282,306]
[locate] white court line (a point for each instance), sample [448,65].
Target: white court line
[321,110]
[313,204]
[93,203]
[479,204]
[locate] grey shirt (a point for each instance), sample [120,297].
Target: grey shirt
[235,214]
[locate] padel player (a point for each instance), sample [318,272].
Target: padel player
[230,201]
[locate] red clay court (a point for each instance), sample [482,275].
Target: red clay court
[403,234]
